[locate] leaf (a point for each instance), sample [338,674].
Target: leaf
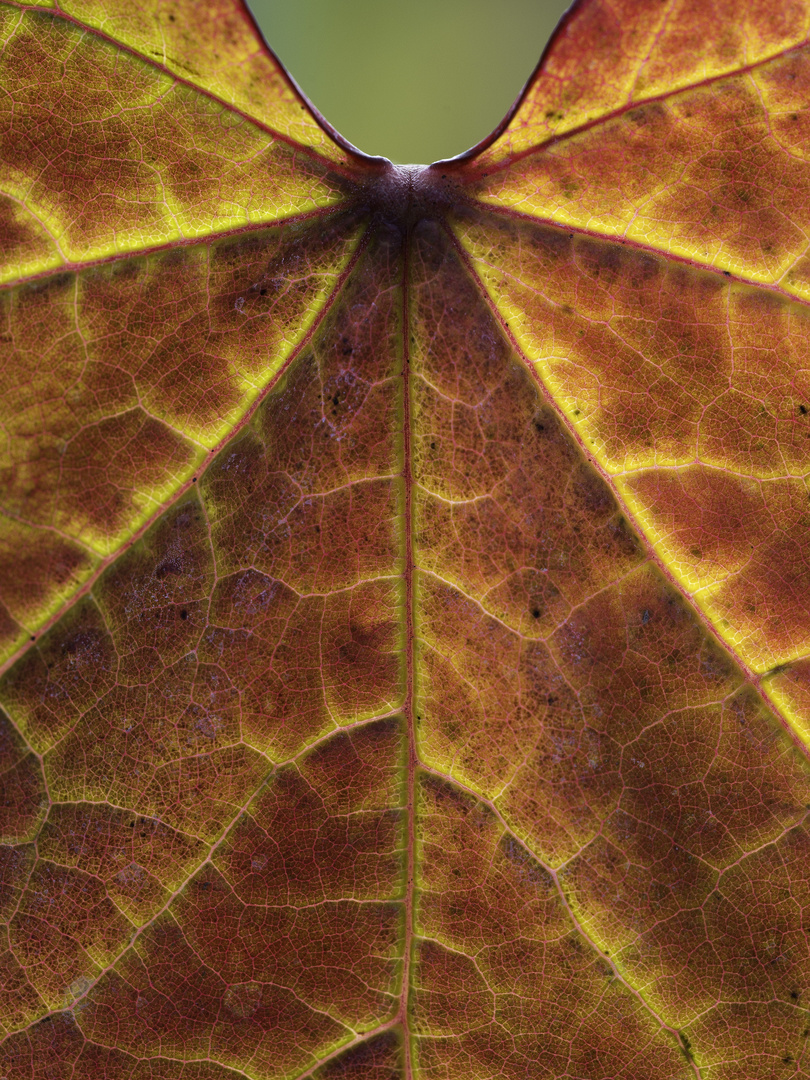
[405,571]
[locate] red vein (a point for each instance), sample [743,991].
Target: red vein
[638,245]
[139,931]
[184,488]
[579,927]
[409,707]
[605,118]
[750,675]
[171,245]
[332,164]
[366,1036]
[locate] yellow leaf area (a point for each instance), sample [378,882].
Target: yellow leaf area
[403,570]
[120,375]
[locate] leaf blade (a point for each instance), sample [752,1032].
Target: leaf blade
[431,769]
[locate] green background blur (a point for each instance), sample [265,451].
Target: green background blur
[413,80]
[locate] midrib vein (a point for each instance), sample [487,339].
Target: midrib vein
[409,707]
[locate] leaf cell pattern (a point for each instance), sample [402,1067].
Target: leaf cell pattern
[404,571]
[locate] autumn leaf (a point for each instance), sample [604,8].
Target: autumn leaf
[405,572]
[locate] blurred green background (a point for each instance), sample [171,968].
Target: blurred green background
[414,80]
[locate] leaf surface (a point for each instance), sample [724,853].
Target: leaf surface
[404,571]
